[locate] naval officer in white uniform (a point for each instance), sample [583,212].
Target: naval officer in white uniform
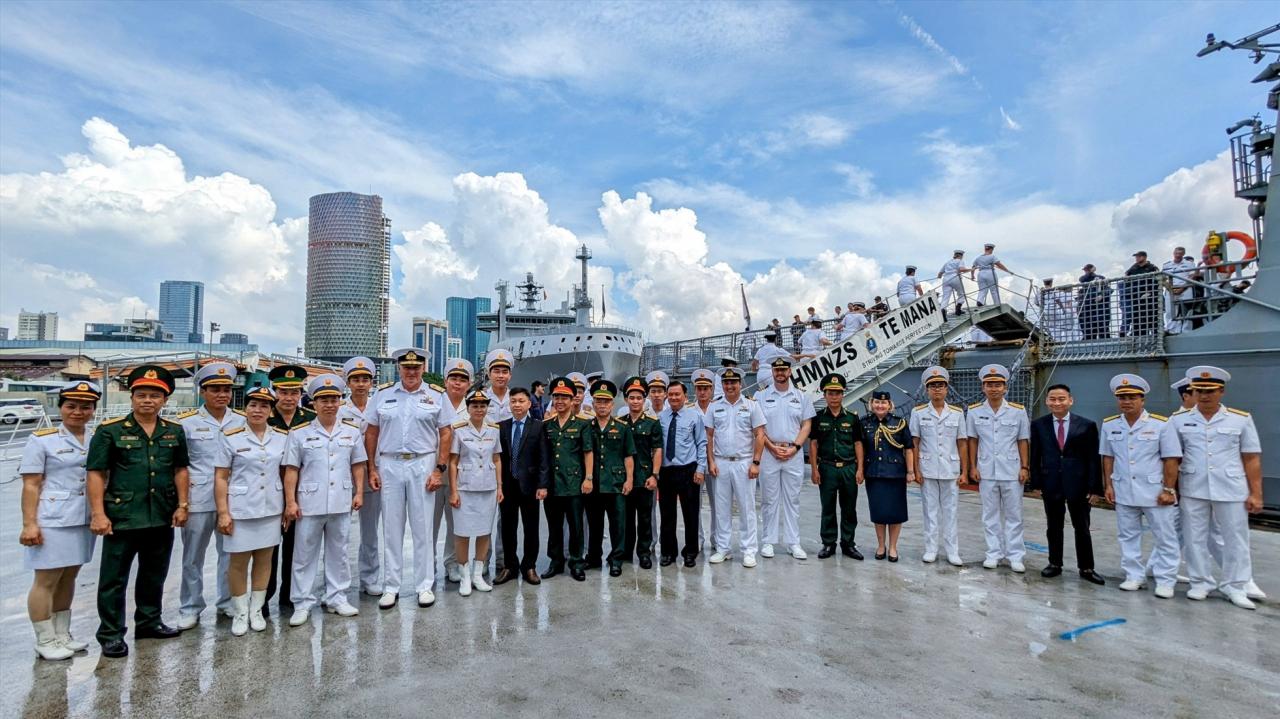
[204,428]
[458,374]
[498,365]
[1133,445]
[735,441]
[942,450]
[788,416]
[359,374]
[909,287]
[1219,477]
[999,442]
[953,282]
[324,474]
[984,267]
[401,441]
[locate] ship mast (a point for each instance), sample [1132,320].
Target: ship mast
[581,295]
[501,287]
[529,291]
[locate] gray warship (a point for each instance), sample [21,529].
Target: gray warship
[1227,314]
[551,344]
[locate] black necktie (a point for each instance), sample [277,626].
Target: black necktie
[671,437]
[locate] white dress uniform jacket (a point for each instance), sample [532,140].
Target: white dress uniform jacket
[324,458]
[734,425]
[62,511]
[254,489]
[907,289]
[204,446]
[936,435]
[1137,453]
[784,411]
[998,432]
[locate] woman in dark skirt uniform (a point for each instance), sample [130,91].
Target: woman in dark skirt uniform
[888,464]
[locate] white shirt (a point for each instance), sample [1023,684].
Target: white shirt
[407,421]
[907,288]
[998,433]
[986,265]
[476,449]
[951,272]
[1178,271]
[204,443]
[936,434]
[767,353]
[811,341]
[350,411]
[784,411]
[324,459]
[734,425]
[1212,467]
[255,488]
[60,457]
[499,409]
[1137,452]
[854,321]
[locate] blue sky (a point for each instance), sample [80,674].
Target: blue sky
[879,133]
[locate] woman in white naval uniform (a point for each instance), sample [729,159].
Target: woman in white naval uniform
[249,494]
[475,488]
[457,379]
[358,372]
[55,519]
[942,450]
[1133,446]
[204,428]
[323,481]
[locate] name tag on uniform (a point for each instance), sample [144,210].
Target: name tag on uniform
[244,449]
[68,450]
[388,402]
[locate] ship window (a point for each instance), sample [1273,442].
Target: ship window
[605,345]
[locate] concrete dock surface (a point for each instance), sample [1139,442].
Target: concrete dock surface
[833,637]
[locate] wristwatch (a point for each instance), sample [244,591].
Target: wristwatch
[441,467]
[1169,490]
[589,478]
[183,505]
[755,462]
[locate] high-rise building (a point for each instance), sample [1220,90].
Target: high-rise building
[348,276]
[4,333]
[182,309]
[233,338]
[460,313]
[432,336]
[453,348]
[37,325]
[137,329]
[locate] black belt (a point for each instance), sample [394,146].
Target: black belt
[838,463]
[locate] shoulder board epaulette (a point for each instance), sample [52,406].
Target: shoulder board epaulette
[350,422]
[169,421]
[491,424]
[1160,417]
[1114,416]
[1181,411]
[240,412]
[1240,412]
[584,415]
[45,432]
[299,426]
[1015,405]
[189,413]
[437,388]
[650,415]
[113,421]
[237,430]
[920,406]
[975,405]
[385,385]
[281,431]
[460,423]
[956,407]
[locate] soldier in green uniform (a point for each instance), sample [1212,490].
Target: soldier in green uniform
[137,491]
[567,469]
[615,451]
[646,431]
[286,380]
[835,453]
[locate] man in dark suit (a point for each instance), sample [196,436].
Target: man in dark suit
[1066,468]
[521,485]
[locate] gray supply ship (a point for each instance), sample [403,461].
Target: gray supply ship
[551,344]
[1227,314]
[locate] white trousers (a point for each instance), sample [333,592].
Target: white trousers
[988,286]
[780,495]
[952,287]
[404,497]
[442,509]
[732,484]
[1233,522]
[195,544]
[370,556]
[708,528]
[1165,555]
[906,299]
[1002,518]
[938,500]
[320,538]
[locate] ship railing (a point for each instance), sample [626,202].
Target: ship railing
[560,329]
[1251,161]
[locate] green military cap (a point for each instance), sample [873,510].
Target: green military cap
[287,376]
[604,389]
[834,381]
[561,386]
[634,384]
[153,376]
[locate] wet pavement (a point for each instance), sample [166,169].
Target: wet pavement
[829,637]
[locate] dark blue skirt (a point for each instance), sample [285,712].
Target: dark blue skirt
[887,500]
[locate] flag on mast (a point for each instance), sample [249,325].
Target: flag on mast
[746,313]
[603,309]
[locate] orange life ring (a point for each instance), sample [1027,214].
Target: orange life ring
[1250,250]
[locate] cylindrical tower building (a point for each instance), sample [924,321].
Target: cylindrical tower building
[348,276]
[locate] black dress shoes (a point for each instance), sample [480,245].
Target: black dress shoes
[893,557]
[1091,576]
[553,570]
[828,550]
[666,561]
[646,562]
[159,631]
[881,555]
[115,649]
[1052,570]
[851,551]
[504,576]
[615,570]
[531,577]
[578,574]
[690,561]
